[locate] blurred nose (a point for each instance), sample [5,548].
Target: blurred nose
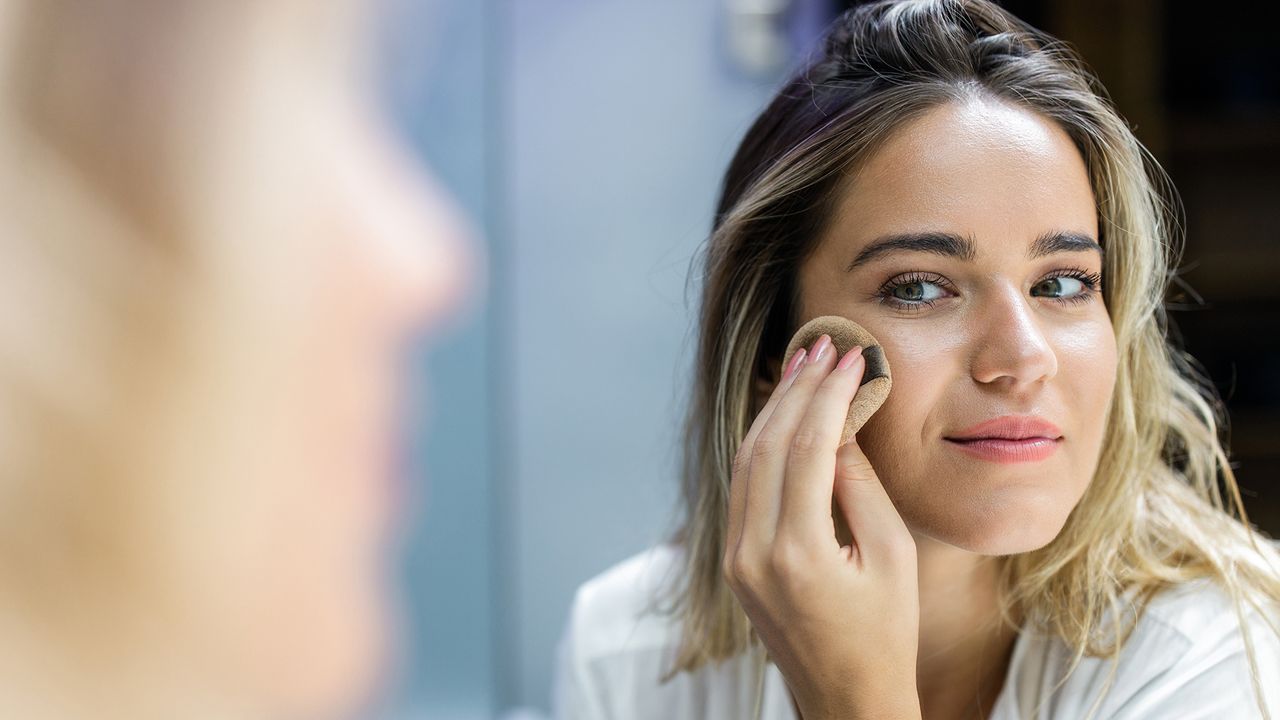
[429,256]
[1012,349]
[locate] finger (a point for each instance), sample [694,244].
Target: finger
[880,536]
[739,480]
[811,464]
[767,470]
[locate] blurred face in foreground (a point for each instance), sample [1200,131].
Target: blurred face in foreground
[352,255]
[219,257]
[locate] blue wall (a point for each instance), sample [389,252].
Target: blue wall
[439,63]
[587,140]
[622,118]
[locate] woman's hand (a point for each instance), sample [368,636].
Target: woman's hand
[841,621]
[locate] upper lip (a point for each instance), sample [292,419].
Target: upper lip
[1010,427]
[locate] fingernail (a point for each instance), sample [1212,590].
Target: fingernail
[820,348]
[796,361]
[850,358]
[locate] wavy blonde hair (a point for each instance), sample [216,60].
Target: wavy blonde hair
[1163,506]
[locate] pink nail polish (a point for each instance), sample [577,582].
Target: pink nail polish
[820,348]
[850,358]
[796,361]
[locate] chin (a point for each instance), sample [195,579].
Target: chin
[998,528]
[341,686]
[336,664]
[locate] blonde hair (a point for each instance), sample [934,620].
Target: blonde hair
[1154,515]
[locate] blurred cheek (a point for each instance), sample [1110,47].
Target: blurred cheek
[324,490]
[390,263]
[370,277]
[366,302]
[292,592]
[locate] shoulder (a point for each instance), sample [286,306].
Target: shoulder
[1186,653]
[617,651]
[1201,620]
[1193,654]
[621,609]
[1196,612]
[611,655]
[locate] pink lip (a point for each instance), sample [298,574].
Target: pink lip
[1009,439]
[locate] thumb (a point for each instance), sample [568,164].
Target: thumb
[879,534]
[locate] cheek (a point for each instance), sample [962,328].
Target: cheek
[900,439]
[1088,363]
[1087,360]
[317,599]
[896,438]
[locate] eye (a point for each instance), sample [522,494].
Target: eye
[912,291]
[917,291]
[1071,285]
[1059,287]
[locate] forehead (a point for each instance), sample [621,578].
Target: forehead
[982,168]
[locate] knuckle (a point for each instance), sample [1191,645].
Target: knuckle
[788,561]
[727,568]
[905,548]
[806,442]
[740,571]
[789,570]
[764,447]
[899,553]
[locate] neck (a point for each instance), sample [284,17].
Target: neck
[964,648]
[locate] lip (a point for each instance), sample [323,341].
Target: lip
[1009,439]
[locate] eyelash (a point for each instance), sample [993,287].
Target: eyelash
[1092,283]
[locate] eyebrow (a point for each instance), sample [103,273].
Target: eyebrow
[962,248]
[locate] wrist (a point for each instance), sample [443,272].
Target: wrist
[895,706]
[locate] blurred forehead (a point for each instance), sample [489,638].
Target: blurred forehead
[982,168]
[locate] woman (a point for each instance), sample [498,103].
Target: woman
[213,258]
[1037,526]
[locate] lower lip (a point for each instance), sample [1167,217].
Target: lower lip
[1008,451]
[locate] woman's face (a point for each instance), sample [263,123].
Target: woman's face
[1004,327]
[388,268]
[368,255]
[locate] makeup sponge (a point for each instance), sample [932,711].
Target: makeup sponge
[875,379]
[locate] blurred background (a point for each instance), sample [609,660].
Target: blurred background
[586,140]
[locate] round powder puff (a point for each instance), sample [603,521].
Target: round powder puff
[876,380]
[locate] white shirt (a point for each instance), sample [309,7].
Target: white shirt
[1185,659]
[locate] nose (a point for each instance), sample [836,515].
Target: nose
[448,266]
[431,262]
[1012,348]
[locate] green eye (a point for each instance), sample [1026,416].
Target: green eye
[912,291]
[915,292]
[1054,286]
